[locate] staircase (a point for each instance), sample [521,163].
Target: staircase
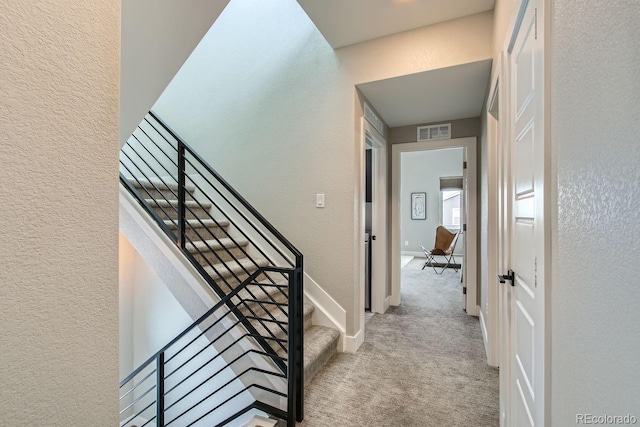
[223,259]
[269,342]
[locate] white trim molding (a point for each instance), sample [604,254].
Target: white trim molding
[483,328]
[327,310]
[353,343]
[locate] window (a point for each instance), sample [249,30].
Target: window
[450,209]
[455,216]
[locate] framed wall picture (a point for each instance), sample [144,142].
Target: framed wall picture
[418,205]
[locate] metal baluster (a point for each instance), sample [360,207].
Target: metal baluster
[181,196]
[299,331]
[160,389]
[292,363]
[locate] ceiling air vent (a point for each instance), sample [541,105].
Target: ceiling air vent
[441,131]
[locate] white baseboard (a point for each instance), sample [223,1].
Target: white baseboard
[327,310]
[473,310]
[394,299]
[492,360]
[352,344]
[485,334]
[387,303]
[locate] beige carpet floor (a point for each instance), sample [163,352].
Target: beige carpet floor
[422,364]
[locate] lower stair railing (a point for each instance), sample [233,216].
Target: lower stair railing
[246,352]
[213,372]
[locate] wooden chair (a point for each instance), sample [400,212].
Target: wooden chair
[444,246]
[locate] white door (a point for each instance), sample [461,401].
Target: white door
[526,233]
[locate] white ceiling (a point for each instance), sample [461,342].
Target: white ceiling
[444,94]
[345,22]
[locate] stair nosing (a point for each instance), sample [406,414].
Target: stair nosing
[171,185]
[214,245]
[173,203]
[235,268]
[329,346]
[278,315]
[195,223]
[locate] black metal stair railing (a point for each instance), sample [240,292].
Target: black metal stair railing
[204,376]
[253,268]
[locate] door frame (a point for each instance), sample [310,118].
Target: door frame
[471,235]
[379,256]
[504,216]
[491,324]
[498,107]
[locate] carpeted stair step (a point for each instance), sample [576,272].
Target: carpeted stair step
[202,229]
[168,209]
[306,317]
[217,250]
[262,292]
[156,189]
[229,275]
[225,261]
[279,331]
[320,344]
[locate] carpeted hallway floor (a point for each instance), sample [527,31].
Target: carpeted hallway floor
[422,364]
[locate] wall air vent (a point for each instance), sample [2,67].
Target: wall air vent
[441,131]
[373,119]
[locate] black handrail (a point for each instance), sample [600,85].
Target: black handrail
[230,189]
[249,310]
[180,149]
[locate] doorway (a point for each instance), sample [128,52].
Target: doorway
[375,290]
[434,178]
[468,289]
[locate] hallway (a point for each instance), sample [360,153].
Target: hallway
[422,364]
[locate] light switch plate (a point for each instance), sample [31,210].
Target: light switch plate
[319,200]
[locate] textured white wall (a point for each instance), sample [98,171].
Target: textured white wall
[447,44]
[59,83]
[595,129]
[273,108]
